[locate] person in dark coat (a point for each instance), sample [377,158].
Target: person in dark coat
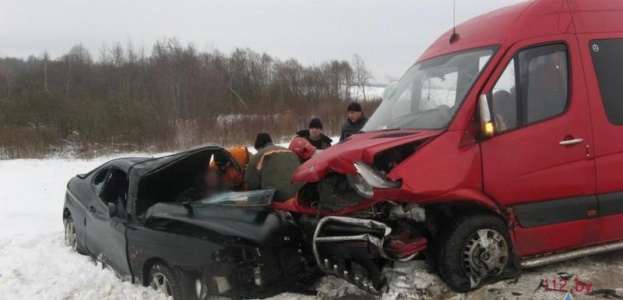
[272,168]
[315,136]
[356,120]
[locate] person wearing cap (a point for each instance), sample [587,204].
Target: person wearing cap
[271,168]
[315,136]
[356,120]
[303,149]
[233,175]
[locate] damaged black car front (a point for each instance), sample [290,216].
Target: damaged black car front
[129,215]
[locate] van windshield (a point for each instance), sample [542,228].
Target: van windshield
[429,94]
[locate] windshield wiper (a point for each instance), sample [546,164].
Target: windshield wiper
[381,130]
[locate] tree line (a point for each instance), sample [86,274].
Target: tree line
[172,97]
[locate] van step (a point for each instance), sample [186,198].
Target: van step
[532,262]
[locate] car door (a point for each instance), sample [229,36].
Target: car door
[539,164]
[603,64]
[97,181]
[106,234]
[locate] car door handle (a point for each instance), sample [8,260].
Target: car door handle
[92,208]
[571,142]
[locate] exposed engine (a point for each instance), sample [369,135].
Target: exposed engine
[357,249]
[333,193]
[385,161]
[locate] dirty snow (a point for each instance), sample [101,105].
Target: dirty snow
[35,264]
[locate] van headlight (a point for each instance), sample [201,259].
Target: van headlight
[368,178]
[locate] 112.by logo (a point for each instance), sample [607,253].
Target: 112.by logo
[560,285]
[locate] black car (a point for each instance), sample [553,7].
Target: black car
[124,214]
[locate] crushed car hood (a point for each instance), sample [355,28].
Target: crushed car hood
[254,225]
[359,147]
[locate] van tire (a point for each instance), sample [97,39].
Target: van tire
[474,250]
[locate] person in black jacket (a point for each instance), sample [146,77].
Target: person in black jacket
[315,136]
[356,120]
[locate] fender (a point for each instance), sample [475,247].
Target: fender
[465,195]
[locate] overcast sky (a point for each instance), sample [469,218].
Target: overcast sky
[388,34]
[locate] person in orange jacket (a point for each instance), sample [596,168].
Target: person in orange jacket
[232,174]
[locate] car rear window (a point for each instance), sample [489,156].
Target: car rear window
[608,61]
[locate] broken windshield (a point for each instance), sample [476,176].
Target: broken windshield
[258,198]
[429,94]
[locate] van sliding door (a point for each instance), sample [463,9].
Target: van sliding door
[603,65]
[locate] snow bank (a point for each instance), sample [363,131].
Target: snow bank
[34,262]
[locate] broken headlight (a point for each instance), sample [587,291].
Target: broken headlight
[368,178]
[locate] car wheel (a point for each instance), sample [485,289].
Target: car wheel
[165,280]
[473,251]
[71,239]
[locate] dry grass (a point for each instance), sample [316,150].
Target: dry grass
[228,130]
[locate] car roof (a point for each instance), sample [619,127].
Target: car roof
[143,167]
[125,163]
[532,19]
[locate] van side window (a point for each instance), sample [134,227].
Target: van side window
[532,88]
[504,100]
[543,80]
[608,61]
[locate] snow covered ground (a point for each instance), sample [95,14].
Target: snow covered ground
[35,264]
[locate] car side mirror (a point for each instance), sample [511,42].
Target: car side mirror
[112,209]
[486,122]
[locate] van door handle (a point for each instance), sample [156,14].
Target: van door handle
[570,142]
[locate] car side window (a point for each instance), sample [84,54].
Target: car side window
[98,180]
[608,62]
[533,87]
[116,188]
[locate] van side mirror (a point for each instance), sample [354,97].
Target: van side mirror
[112,209]
[486,122]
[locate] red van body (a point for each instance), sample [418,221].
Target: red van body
[547,163]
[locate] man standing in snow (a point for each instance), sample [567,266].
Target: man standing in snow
[271,168]
[315,136]
[356,120]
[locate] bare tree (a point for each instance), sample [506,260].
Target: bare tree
[362,74]
[46,58]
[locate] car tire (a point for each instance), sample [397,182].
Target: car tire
[71,238]
[166,280]
[474,250]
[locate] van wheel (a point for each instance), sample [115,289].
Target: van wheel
[165,280]
[473,251]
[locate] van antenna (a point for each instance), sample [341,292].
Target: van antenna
[454,35]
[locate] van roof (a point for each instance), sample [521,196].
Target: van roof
[529,20]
